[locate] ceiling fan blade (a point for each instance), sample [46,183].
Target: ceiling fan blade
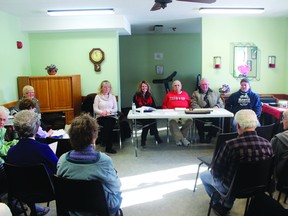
[155,7]
[200,1]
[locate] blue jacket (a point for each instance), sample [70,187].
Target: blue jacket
[244,100]
[29,151]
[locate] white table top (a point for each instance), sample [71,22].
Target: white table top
[171,113]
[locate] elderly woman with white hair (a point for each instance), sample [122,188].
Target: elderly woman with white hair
[5,143]
[28,92]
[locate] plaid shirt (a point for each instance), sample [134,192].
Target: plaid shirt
[246,147]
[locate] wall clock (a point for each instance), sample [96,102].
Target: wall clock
[96,56]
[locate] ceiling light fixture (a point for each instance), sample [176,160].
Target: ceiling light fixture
[74,12]
[227,10]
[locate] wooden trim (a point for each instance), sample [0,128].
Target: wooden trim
[9,105]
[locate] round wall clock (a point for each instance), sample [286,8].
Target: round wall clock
[96,56]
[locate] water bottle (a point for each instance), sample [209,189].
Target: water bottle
[133,108]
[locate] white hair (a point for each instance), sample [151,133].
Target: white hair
[246,118]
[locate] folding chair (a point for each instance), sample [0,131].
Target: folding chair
[250,179]
[80,196]
[208,159]
[266,131]
[29,184]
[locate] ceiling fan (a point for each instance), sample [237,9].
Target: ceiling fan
[163,3]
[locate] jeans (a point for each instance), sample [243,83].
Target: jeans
[210,183]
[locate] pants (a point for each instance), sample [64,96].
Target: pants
[210,183]
[200,125]
[107,125]
[178,133]
[148,124]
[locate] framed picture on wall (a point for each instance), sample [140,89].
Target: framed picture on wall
[159,69]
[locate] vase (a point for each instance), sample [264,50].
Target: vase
[51,72]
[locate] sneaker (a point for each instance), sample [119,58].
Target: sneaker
[185,142]
[179,143]
[43,212]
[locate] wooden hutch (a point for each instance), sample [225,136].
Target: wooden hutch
[55,93]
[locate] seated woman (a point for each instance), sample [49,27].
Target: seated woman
[105,108]
[29,104]
[28,92]
[5,143]
[28,150]
[143,97]
[83,162]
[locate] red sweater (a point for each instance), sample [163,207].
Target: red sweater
[174,100]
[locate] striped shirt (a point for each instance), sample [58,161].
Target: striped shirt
[246,147]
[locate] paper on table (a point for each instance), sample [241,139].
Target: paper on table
[59,132]
[53,146]
[145,109]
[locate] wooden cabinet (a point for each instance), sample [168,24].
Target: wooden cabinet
[55,93]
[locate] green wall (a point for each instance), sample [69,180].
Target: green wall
[181,53]
[133,56]
[70,53]
[14,62]
[269,35]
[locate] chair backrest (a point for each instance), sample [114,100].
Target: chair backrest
[29,183]
[282,178]
[266,131]
[80,196]
[87,104]
[63,145]
[252,178]
[221,140]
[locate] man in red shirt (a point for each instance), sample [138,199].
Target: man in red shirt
[178,99]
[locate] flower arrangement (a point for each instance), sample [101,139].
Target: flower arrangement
[51,68]
[224,89]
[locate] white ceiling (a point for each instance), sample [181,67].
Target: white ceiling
[134,14]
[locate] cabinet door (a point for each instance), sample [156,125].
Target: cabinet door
[60,89]
[41,87]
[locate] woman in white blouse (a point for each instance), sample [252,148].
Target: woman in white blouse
[105,109]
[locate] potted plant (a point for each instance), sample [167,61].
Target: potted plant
[51,69]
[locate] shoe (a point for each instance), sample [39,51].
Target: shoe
[143,143]
[158,139]
[111,151]
[44,212]
[220,210]
[208,139]
[179,143]
[185,141]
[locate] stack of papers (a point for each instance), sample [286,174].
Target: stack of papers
[58,133]
[145,109]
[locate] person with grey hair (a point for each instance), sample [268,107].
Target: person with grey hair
[177,98]
[28,92]
[280,146]
[28,150]
[5,142]
[247,147]
[205,97]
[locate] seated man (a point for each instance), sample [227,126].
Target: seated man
[205,97]
[178,99]
[280,146]
[244,98]
[248,147]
